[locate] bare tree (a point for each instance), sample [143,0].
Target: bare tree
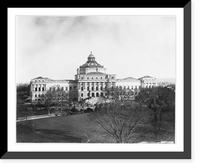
[160,100]
[124,122]
[57,98]
[49,98]
[121,93]
[62,99]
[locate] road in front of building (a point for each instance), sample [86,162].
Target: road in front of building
[34,117]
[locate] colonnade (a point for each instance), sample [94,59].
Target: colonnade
[92,86]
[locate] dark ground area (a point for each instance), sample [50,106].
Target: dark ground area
[79,128]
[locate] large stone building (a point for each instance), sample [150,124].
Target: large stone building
[91,80]
[148,82]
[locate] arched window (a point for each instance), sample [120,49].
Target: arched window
[93,95]
[81,94]
[97,94]
[101,93]
[35,95]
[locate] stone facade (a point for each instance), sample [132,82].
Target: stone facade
[40,85]
[148,82]
[91,80]
[128,83]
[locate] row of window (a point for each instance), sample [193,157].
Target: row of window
[93,78]
[39,89]
[54,88]
[92,88]
[150,86]
[127,87]
[38,81]
[93,83]
[150,83]
[149,79]
[64,88]
[93,94]
[39,95]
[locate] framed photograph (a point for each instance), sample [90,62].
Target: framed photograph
[98,83]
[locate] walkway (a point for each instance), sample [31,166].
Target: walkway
[34,117]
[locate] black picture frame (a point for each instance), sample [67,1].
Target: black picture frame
[186,154]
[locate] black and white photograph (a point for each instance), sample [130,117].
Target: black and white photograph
[98,83]
[96,79]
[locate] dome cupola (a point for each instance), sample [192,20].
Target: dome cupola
[91,57]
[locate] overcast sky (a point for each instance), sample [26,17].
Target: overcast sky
[128,46]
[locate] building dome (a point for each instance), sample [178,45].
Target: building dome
[91,63]
[91,55]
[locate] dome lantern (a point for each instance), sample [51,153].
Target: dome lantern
[91,57]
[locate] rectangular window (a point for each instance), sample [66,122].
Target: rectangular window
[70,88]
[35,89]
[39,89]
[66,88]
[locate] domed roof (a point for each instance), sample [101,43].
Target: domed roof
[91,62]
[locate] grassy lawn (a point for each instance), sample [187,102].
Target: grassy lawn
[74,128]
[69,129]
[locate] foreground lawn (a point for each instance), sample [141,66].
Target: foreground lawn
[79,128]
[75,128]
